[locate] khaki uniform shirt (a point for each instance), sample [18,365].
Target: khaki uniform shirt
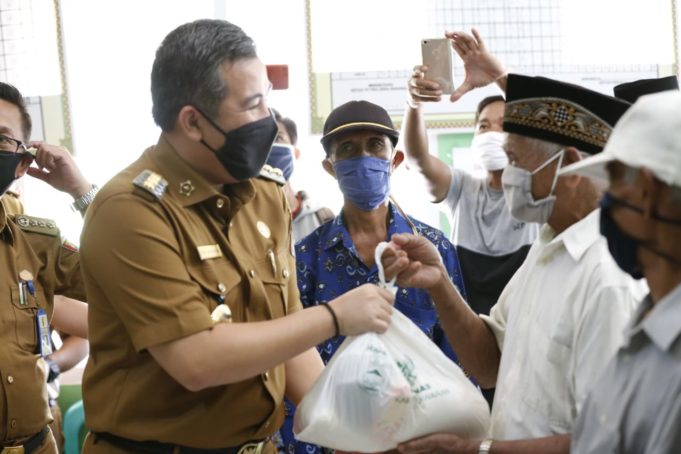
[155,269]
[12,204]
[33,245]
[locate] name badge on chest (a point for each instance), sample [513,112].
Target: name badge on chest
[209,251]
[44,340]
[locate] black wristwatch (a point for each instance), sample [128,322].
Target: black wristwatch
[53,370]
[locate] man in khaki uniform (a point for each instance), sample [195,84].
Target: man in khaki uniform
[73,348]
[35,265]
[187,231]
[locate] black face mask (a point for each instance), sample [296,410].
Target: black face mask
[624,247]
[8,167]
[246,148]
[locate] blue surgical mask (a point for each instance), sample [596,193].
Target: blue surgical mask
[364,181]
[281,157]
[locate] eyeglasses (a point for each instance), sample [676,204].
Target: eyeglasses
[12,145]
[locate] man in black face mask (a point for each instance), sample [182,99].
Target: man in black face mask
[635,407]
[35,266]
[197,331]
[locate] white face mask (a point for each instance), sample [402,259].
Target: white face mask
[517,184]
[490,146]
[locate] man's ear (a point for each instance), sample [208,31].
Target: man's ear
[398,158]
[296,152]
[23,166]
[328,166]
[570,156]
[188,121]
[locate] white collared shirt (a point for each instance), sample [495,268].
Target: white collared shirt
[557,323]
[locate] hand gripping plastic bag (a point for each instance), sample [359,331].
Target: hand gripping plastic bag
[382,389]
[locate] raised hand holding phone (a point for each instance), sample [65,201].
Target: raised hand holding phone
[437,57]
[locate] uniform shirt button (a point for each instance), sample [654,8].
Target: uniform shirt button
[220,203]
[251,273]
[285,274]
[221,287]
[10,379]
[266,375]
[231,224]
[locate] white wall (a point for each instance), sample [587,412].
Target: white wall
[110,48]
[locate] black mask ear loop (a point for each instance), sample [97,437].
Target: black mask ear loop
[213,124]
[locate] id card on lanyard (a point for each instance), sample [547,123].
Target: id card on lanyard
[43,329]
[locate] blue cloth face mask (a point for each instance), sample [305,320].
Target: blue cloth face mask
[364,181]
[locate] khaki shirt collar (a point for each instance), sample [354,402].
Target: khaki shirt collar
[187,186]
[5,230]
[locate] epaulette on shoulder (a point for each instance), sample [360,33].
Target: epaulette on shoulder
[150,185]
[273,174]
[36,225]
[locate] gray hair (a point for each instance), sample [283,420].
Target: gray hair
[186,69]
[545,147]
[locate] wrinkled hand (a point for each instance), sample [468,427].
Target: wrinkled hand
[481,67]
[439,444]
[414,260]
[57,168]
[363,309]
[421,89]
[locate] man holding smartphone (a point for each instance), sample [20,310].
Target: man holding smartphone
[491,244]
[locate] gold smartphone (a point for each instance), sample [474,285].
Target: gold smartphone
[437,56]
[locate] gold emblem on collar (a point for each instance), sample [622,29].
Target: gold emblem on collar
[209,251]
[186,188]
[263,229]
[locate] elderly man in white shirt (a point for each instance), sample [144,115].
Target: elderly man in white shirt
[561,316]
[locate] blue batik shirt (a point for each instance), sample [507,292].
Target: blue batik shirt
[328,266]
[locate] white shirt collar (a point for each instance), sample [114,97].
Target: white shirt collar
[576,239]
